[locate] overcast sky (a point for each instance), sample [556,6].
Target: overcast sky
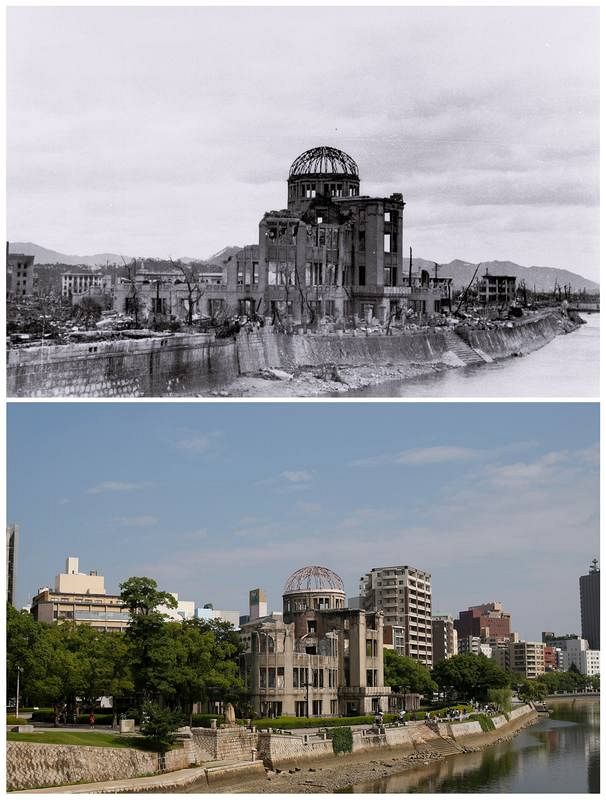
[169,131]
[497,501]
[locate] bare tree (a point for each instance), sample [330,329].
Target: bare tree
[134,301]
[195,290]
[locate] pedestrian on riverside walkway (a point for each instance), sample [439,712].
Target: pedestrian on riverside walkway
[91,720]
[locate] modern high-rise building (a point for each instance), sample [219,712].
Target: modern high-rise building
[444,638]
[12,540]
[488,621]
[589,586]
[403,594]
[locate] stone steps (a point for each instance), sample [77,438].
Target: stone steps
[443,746]
[461,349]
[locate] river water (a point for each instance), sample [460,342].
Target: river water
[566,367]
[560,754]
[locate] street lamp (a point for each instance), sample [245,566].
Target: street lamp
[19,671]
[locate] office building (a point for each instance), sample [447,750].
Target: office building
[81,598]
[12,542]
[589,586]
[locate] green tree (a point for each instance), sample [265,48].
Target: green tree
[22,635]
[500,699]
[469,676]
[406,675]
[152,656]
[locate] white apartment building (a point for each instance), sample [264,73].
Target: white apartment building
[403,594]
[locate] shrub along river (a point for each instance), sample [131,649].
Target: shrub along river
[560,754]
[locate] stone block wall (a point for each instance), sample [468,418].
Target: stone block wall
[180,364]
[224,744]
[30,765]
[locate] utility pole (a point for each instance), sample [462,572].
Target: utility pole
[410,267]
[19,671]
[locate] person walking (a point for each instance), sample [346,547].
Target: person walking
[91,720]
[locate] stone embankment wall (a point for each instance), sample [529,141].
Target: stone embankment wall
[30,765]
[522,337]
[279,749]
[151,367]
[186,364]
[224,744]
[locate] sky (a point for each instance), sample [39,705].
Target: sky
[169,131]
[496,501]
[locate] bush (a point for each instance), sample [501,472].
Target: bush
[11,719]
[159,726]
[342,740]
[43,715]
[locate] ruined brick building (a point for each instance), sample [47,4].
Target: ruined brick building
[317,657]
[331,253]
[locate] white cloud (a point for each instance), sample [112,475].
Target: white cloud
[193,442]
[141,521]
[436,455]
[116,486]
[297,476]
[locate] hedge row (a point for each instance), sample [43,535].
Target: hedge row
[11,719]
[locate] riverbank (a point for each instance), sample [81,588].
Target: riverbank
[266,363]
[338,773]
[343,365]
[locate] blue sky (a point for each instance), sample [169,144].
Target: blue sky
[497,501]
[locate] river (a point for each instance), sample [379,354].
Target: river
[566,367]
[560,754]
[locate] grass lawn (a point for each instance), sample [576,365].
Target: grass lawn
[81,738]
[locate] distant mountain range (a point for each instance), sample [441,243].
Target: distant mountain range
[541,278]
[98,260]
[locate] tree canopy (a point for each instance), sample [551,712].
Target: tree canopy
[406,675]
[470,676]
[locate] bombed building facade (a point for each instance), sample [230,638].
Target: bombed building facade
[317,657]
[331,253]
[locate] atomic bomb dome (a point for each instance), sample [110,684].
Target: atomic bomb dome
[313,579]
[324,161]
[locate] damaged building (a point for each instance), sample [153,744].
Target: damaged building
[332,253]
[317,657]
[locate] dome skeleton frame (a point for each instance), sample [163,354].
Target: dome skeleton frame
[314,579]
[324,161]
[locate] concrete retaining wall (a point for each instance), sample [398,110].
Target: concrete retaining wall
[523,337]
[462,729]
[188,364]
[179,364]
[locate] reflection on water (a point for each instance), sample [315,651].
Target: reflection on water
[566,367]
[560,754]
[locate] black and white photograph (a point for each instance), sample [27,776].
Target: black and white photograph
[303,202]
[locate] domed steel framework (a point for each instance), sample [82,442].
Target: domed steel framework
[324,161]
[312,579]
